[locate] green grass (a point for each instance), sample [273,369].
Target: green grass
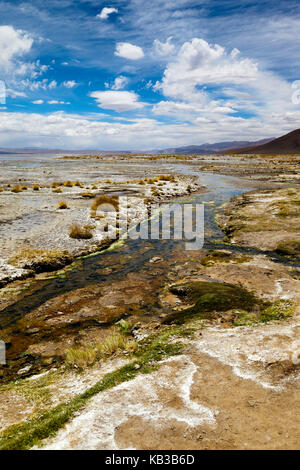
[32,432]
[280,310]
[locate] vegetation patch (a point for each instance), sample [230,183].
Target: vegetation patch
[290,248]
[32,432]
[84,356]
[209,297]
[222,256]
[280,310]
[80,232]
[87,195]
[105,201]
[16,189]
[62,205]
[40,260]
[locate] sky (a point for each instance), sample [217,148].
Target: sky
[133,75]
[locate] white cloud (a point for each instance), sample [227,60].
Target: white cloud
[129,51]
[163,48]
[106,12]
[52,85]
[199,63]
[62,130]
[119,83]
[180,109]
[13,44]
[14,93]
[117,100]
[38,102]
[57,102]
[70,83]
[37,84]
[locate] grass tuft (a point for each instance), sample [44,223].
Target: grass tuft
[62,205]
[80,233]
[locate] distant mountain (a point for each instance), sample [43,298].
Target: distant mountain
[213,148]
[287,144]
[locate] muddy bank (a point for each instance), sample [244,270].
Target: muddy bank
[266,219]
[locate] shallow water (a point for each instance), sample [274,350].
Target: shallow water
[90,270]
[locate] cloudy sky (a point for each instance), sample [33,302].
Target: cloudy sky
[130,74]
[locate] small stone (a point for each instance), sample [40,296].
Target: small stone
[156,259]
[24,370]
[137,366]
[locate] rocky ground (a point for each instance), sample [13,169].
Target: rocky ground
[186,350]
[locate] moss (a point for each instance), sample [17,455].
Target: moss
[280,310]
[288,248]
[208,297]
[221,256]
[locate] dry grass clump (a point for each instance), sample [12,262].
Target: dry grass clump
[57,190]
[78,184]
[80,357]
[35,187]
[16,189]
[24,187]
[170,178]
[1,190]
[84,356]
[114,343]
[68,184]
[102,200]
[80,232]
[62,205]
[88,195]
[108,181]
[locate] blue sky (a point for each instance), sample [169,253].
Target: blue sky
[147,75]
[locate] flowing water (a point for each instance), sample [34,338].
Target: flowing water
[90,270]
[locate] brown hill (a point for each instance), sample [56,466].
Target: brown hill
[285,145]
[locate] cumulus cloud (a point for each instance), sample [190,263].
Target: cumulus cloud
[70,83]
[199,63]
[117,100]
[129,51]
[207,80]
[106,12]
[38,102]
[13,44]
[120,83]
[163,48]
